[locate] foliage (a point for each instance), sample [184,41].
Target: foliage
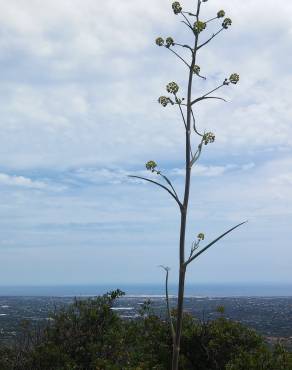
[89,335]
[262,358]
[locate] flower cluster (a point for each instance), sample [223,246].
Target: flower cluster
[199,26]
[226,23]
[176,7]
[172,88]
[169,42]
[151,165]
[196,69]
[201,236]
[159,41]
[221,14]
[234,78]
[163,100]
[209,137]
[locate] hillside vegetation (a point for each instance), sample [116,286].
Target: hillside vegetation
[89,335]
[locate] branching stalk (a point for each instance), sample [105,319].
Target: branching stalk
[212,243]
[166,269]
[210,39]
[182,59]
[160,185]
[189,121]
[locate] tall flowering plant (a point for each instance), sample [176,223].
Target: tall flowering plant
[195,142]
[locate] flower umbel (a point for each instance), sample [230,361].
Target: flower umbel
[221,14]
[172,88]
[163,100]
[201,236]
[169,42]
[226,23]
[199,26]
[151,165]
[176,7]
[196,69]
[234,78]
[208,138]
[159,41]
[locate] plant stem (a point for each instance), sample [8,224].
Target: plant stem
[184,209]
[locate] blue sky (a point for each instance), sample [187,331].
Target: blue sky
[79,112]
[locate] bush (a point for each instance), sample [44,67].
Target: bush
[262,358]
[89,335]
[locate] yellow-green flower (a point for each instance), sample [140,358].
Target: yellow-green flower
[226,23]
[172,88]
[201,236]
[176,7]
[221,14]
[199,26]
[196,69]
[159,41]
[163,100]
[151,165]
[208,138]
[234,78]
[169,42]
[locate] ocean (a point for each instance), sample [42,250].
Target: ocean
[192,290]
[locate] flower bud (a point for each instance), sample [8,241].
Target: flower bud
[159,41]
[196,69]
[163,100]
[169,42]
[172,88]
[151,165]
[234,78]
[208,138]
[176,7]
[199,26]
[201,236]
[226,23]
[221,14]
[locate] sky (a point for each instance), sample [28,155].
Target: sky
[79,82]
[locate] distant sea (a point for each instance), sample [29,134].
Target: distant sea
[192,290]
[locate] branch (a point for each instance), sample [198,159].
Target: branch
[188,22]
[185,46]
[198,9]
[204,78]
[194,126]
[210,20]
[213,242]
[182,114]
[198,153]
[160,185]
[188,25]
[170,184]
[166,269]
[189,13]
[195,246]
[211,38]
[208,97]
[182,59]
[210,92]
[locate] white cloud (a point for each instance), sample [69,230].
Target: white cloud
[20,181]
[80,82]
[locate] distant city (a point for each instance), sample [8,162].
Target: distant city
[269,315]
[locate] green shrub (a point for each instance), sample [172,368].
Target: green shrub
[89,335]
